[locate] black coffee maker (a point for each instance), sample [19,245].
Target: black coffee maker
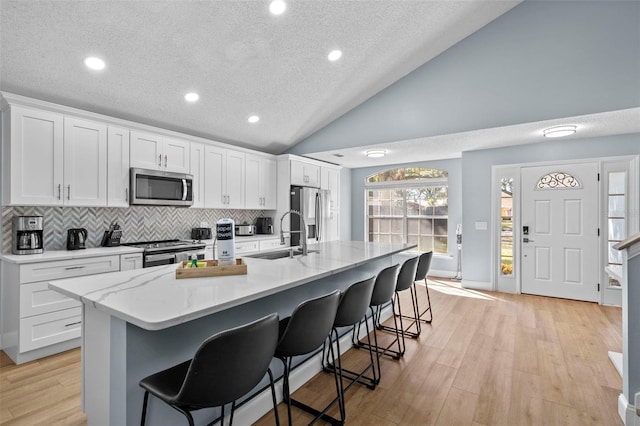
[76,238]
[264,225]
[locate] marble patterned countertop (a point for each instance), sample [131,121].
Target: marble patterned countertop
[153,299]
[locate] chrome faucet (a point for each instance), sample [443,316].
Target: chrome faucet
[302,231]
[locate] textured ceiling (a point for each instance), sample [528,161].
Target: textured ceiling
[239,58]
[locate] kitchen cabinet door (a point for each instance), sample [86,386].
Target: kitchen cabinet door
[175,155]
[253,192]
[146,151]
[85,163]
[129,262]
[260,183]
[33,157]
[305,174]
[197,170]
[269,181]
[330,180]
[117,167]
[214,160]
[234,179]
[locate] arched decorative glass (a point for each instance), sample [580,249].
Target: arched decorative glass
[558,180]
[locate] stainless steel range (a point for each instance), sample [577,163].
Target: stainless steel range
[165,252]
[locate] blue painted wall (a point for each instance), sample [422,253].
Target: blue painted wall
[541,60]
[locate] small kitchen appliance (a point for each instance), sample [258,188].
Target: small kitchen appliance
[111,237]
[264,225]
[244,230]
[76,238]
[201,234]
[26,234]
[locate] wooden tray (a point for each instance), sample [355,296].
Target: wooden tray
[211,270]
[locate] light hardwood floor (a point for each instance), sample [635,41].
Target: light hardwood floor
[487,359]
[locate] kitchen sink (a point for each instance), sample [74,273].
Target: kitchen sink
[280,254]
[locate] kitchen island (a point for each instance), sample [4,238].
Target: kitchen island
[139,322]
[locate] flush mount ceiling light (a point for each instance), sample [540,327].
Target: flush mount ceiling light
[191,97]
[376,153]
[94,63]
[334,55]
[253,119]
[277,7]
[559,131]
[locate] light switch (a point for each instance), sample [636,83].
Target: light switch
[481,226]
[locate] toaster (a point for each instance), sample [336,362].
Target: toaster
[245,229]
[201,234]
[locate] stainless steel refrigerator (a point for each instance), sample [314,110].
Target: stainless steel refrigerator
[313,204]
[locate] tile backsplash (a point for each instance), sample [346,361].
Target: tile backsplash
[137,223]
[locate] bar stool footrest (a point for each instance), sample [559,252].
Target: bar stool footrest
[318,414]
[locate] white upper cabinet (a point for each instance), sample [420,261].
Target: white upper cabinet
[305,174]
[156,152]
[32,157]
[224,178]
[260,184]
[85,163]
[54,160]
[197,170]
[330,180]
[117,167]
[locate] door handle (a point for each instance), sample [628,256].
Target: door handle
[527,240]
[165,161]
[160,160]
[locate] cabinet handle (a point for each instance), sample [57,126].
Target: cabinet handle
[69,192]
[126,194]
[228,199]
[68,268]
[73,323]
[160,160]
[59,191]
[165,161]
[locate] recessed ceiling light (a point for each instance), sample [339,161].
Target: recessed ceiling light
[191,97]
[376,153]
[559,131]
[334,55]
[277,7]
[94,63]
[253,119]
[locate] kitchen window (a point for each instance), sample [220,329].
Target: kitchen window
[409,205]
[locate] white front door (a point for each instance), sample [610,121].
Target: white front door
[560,212]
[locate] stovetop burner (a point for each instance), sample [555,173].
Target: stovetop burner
[166,244]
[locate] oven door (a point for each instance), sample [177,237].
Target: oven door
[169,258]
[158,188]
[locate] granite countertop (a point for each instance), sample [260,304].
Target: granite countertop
[54,255]
[154,299]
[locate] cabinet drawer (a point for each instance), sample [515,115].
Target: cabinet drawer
[46,271]
[47,329]
[266,245]
[247,247]
[37,298]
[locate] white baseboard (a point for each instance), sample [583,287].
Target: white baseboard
[477,285]
[627,412]
[616,360]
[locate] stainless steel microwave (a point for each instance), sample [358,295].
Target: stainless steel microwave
[158,188]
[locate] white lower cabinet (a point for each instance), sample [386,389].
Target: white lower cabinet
[129,262]
[37,321]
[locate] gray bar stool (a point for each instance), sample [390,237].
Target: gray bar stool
[302,333]
[225,367]
[352,308]
[383,290]
[421,274]
[405,281]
